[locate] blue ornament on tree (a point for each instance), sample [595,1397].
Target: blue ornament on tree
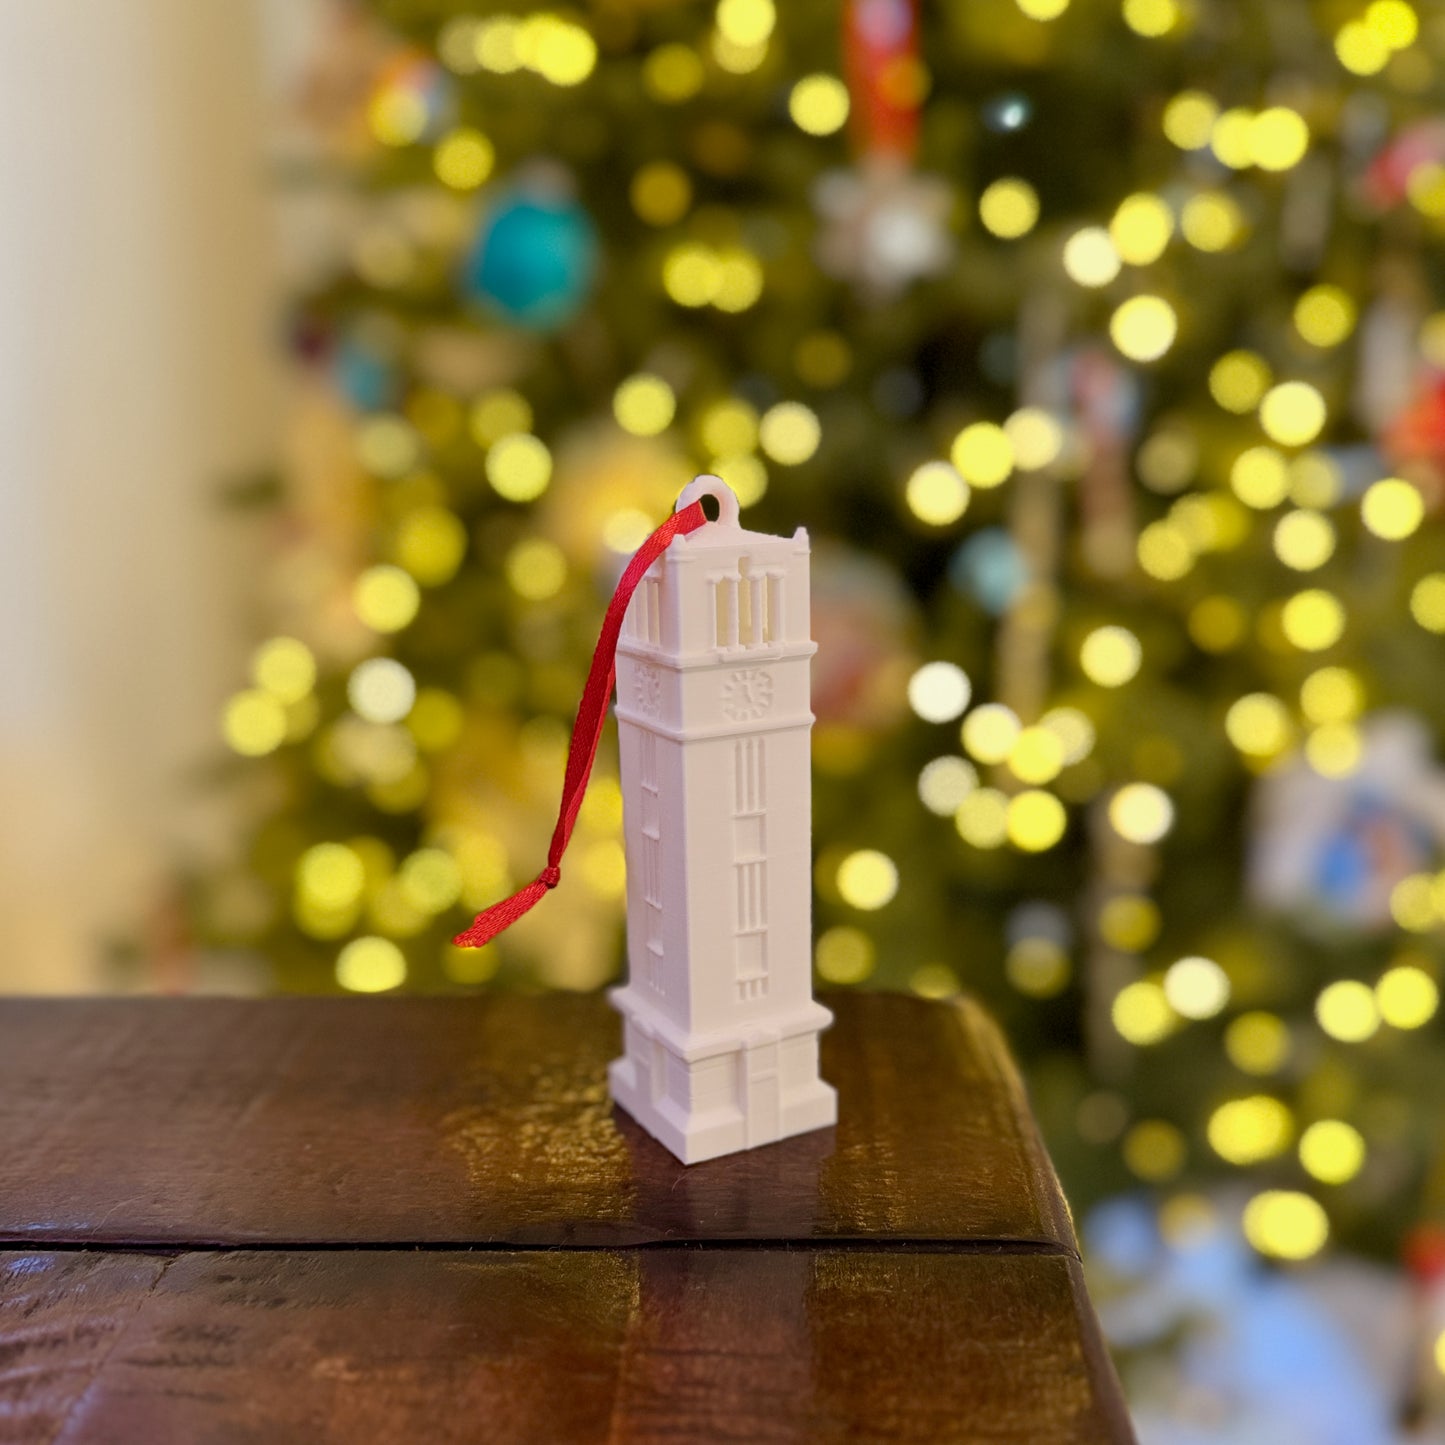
[990,568]
[534,260]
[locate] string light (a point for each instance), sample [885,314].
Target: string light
[1278,138]
[1144,327]
[1037,967]
[1110,656]
[1043,9]
[464,159]
[983,454]
[1304,540]
[819,104]
[1141,813]
[1141,228]
[1392,509]
[1009,208]
[1035,436]
[1212,221]
[990,732]
[430,544]
[982,818]
[844,955]
[1332,695]
[381,690]
[1259,725]
[1090,258]
[1141,1014]
[1151,18]
[1035,820]
[386,598]
[673,74]
[939,691]
[1347,1011]
[1189,119]
[1285,1224]
[1427,602]
[644,405]
[1332,1151]
[1037,755]
[1257,1043]
[519,467]
[1238,380]
[1325,315]
[867,879]
[254,723]
[1407,997]
[1292,413]
[1232,138]
[789,433]
[936,494]
[944,783]
[1313,620]
[1250,1130]
[536,569]
[370,965]
[285,668]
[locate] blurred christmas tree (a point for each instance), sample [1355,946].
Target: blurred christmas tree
[1095,346]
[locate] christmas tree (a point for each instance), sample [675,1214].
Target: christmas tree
[1095,346]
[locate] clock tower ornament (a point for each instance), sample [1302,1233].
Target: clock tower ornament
[710,631]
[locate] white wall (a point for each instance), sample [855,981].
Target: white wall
[137,315]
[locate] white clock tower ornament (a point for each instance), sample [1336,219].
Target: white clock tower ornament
[721,1029]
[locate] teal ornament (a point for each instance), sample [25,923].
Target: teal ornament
[533,261]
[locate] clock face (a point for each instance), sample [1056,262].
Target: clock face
[647,689]
[747,694]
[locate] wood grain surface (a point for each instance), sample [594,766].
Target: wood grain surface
[374,1221]
[649,1345]
[485,1120]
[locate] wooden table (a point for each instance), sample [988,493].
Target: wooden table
[420,1220]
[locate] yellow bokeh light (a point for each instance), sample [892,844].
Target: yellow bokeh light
[746,22]
[1325,315]
[494,44]
[739,280]
[660,194]
[1250,1130]
[431,880]
[1035,435]
[1141,228]
[1425,187]
[285,668]
[1332,695]
[1392,509]
[1278,138]
[939,691]
[1285,1224]
[1189,118]
[1412,903]
[1257,1043]
[536,569]
[1292,413]
[644,405]
[673,74]
[1427,602]
[1009,208]
[867,879]
[1110,656]
[457,44]
[1334,750]
[435,720]
[983,454]
[1394,21]
[1259,725]
[626,529]
[1332,1151]
[1212,221]
[818,104]
[1130,922]
[330,876]
[1090,258]
[1037,967]
[1151,18]
[691,274]
[933,980]
[844,955]
[728,427]
[1347,1011]
[1238,380]
[944,783]
[1196,987]
[464,159]
[936,494]
[370,965]
[386,598]
[496,413]
[1154,1150]
[254,723]
[746,475]
[1144,327]
[1304,540]
[1043,9]
[381,690]
[1232,138]
[397,116]
[519,467]
[1164,551]
[430,543]
[559,51]
[1315,480]
[990,732]
[1036,820]
[1313,620]
[1260,478]
[789,432]
[822,358]
[1037,755]
[1361,50]
[1141,813]
[1407,996]
[1073,729]
[982,818]
[1141,1014]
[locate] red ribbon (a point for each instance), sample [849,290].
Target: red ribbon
[586,733]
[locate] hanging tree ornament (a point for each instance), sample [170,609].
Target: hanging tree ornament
[884,225]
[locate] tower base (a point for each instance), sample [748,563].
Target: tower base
[706,1095]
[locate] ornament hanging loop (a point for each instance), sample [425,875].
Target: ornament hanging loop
[707,485]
